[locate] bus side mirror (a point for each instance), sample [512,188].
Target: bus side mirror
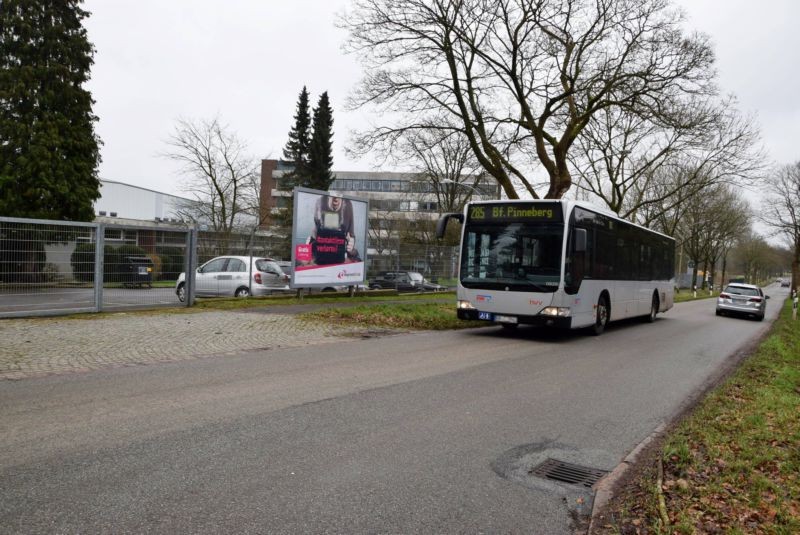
[580,240]
[441,226]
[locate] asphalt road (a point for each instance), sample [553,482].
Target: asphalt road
[414,433]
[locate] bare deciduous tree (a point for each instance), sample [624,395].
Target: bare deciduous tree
[381,238]
[643,167]
[728,215]
[445,165]
[219,174]
[707,225]
[520,79]
[754,258]
[781,211]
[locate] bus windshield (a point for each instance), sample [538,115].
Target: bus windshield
[512,255]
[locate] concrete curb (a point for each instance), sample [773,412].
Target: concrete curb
[604,488]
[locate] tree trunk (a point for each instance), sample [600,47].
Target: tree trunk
[796,266]
[724,267]
[705,274]
[712,274]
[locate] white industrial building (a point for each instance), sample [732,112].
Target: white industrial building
[126,201]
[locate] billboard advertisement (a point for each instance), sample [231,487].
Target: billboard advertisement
[329,239]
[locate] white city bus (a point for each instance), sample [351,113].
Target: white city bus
[559,263]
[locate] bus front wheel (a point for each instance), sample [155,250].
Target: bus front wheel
[601,317]
[654,306]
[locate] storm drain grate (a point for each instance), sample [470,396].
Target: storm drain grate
[568,473]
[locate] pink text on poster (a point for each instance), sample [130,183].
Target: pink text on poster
[302,253]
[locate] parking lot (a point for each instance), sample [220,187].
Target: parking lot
[15,301]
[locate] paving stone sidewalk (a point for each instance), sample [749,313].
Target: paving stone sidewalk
[35,347]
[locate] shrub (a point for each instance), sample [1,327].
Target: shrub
[172,259]
[82,261]
[116,264]
[23,259]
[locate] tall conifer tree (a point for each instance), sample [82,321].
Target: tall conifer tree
[297,148]
[48,148]
[320,154]
[296,152]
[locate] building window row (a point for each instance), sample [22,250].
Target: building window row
[401,186]
[349,184]
[393,205]
[397,186]
[385,205]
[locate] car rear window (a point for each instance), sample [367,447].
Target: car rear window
[738,290]
[267,266]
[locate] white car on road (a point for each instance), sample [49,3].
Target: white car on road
[239,276]
[745,299]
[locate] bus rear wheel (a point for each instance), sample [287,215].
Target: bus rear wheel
[601,317]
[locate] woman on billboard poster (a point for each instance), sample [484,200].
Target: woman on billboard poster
[332,236]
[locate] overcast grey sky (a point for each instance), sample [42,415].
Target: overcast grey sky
[246,60]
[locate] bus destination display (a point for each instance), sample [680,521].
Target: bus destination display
[539,212]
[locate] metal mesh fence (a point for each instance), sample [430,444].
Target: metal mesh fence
[436,263]
[39,270]
[214,244]
[142,265]
[54,267]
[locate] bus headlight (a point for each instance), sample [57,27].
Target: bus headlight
[555,311]
[466,305]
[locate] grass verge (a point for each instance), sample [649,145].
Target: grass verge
[322,298]
[733,465]
[686,295]
[416,316]
[233,303]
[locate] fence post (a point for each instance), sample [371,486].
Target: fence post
[99,267]
[190,264]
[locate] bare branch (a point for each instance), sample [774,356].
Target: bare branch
[521,79]
[218,173]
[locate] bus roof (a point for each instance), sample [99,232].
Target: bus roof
[567,206]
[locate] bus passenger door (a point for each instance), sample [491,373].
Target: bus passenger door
[578,283]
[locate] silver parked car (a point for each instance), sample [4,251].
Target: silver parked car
[738,298]
[231,276]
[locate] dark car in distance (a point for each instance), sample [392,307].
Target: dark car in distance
[430,286]
[402,281]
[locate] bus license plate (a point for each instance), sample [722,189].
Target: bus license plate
[505,319]
[485,316]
